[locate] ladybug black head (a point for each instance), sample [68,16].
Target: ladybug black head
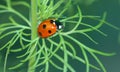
[59,24]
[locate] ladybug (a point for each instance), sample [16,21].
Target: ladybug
[49,27]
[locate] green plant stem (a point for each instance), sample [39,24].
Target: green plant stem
[31,67]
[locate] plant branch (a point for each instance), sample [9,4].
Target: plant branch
[31,67]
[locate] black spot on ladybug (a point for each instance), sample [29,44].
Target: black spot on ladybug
[49,31]
[40,33]
[51,21]
[44,26]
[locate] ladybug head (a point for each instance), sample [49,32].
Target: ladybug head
[58,24]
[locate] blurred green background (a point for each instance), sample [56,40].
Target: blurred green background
[111,43]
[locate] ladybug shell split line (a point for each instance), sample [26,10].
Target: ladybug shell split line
[48,27]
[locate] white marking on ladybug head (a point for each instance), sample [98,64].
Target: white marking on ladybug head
[60,27]
[54,22]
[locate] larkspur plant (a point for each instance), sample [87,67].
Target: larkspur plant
[41,53]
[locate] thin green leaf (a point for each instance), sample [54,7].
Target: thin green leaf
[67,65]
[86,59]
[16,66]
[55,65]
[82,60]
[99,62]
[72,48]
[21,3]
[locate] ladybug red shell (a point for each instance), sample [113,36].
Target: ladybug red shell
[49,27]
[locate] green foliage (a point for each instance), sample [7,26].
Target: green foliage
[44,51]
[85,2]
